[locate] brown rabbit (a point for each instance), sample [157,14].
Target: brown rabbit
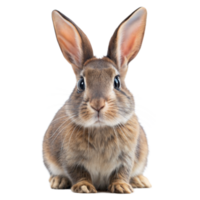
[95,141]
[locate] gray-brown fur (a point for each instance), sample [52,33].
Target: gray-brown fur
[95,141]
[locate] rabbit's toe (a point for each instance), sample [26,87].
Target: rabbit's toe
[120,187]
[83,187]
[140,182]
[59,182]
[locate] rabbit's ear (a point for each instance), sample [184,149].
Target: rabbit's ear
[127,39]
[74,44]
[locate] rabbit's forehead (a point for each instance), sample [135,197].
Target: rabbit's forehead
[107,73]
[99,69]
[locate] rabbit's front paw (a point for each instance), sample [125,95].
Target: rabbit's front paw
[140,182]
[120,187]
[59,182]
[83,187]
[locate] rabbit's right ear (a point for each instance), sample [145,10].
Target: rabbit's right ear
[74,44]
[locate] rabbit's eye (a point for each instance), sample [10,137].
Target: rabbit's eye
[117,82]
[81,84]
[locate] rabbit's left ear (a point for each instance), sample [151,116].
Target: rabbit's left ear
[127,39]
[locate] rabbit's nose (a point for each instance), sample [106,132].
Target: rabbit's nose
[97,104]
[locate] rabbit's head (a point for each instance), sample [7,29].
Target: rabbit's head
[100,97]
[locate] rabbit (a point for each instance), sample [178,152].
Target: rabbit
[95,142]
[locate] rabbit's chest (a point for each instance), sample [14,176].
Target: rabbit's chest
[100,164]
[100,167]
[102,156]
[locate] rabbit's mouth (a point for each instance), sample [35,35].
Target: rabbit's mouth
[99,120]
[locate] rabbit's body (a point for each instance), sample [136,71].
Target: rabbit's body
[95,140]
[100,151]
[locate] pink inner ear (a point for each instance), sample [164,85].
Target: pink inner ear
[127,46]
[130,36]
[69,46]
[68,39]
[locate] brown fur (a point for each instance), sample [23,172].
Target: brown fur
[95,141]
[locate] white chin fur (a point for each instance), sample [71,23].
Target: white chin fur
[103,122]
[93,121]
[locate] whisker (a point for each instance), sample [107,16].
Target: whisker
[61,125]
[58,134]
[72,133]
[58,118]
[65,136]
[58,128]
[61,149]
